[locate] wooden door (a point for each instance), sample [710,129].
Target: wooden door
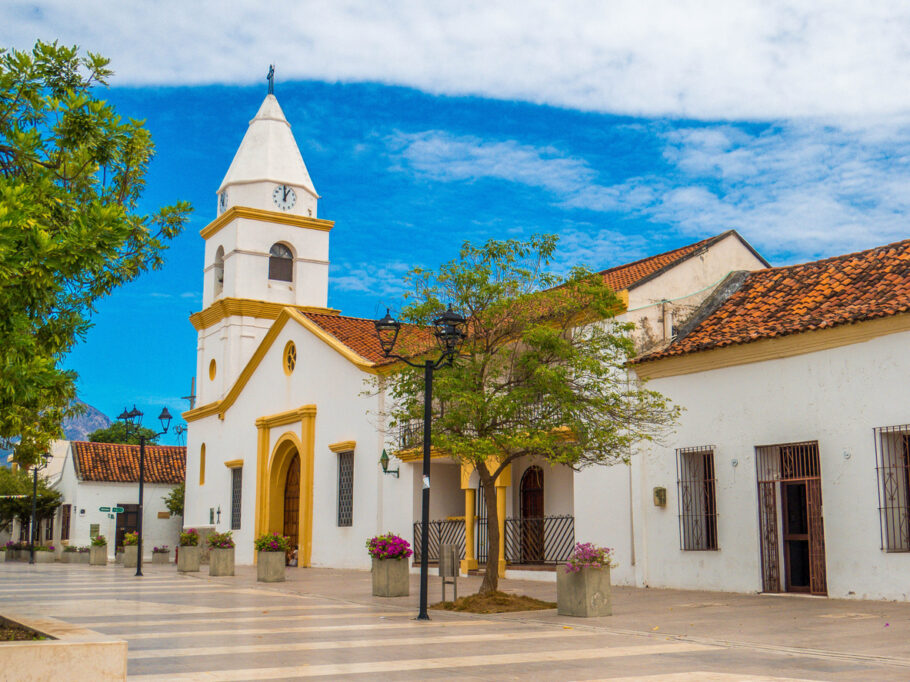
[532,531]
[292,501]
[127,522]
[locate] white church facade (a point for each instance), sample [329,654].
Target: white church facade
[286,438]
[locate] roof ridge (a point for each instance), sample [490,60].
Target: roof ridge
[665,253]
[831,259]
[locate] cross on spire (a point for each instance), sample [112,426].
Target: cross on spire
[271,79]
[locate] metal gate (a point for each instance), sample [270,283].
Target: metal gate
[792,464]
[480,514]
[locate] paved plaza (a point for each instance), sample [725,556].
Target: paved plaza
[324,623]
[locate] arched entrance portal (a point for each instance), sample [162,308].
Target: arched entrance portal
[532,535]
[292,500]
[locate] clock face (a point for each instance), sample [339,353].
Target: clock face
[284,197]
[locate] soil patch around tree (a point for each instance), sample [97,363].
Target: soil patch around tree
[14,634]
[495,602]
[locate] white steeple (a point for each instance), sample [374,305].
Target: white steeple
[268,157]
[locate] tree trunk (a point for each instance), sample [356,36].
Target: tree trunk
[491,573]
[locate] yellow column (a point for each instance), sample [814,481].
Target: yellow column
[307,459]
[501,514]
[470,562]
[262,478]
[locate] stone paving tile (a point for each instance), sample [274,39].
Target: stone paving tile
[325,624]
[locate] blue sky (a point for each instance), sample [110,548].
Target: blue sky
[626,128]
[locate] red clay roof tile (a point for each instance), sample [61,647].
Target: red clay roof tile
[119,463]
[798,298]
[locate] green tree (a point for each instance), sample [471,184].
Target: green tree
[71,175]
[117,433]
[174,500]
[543,370]
[20,482]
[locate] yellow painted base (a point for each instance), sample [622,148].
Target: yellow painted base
[468,565]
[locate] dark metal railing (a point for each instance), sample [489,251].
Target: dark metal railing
[440,533]
[410,435]
[544,540]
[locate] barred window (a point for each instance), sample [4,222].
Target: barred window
[892,460]
[346,489]
[696,499]
[49,528]
[236,489]
[65,522]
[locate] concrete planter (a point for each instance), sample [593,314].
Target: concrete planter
[390,578]
[586,594]
[80,558]
[130,556]
[98,555]
[270,567]
[65,557]
[221,561]
[45,557]
[161,557]
[188,559]
[10,555]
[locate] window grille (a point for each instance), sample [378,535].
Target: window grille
[696,498]
[65,522]
[892,461]
[49,528]
[346,489]
[281,263]
[236,489]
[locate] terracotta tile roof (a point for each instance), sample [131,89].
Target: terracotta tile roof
[119,463]
[625,276]
[359,334]
[798,298]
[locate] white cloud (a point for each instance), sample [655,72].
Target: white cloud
[797,190]
[383,279]
[705,59]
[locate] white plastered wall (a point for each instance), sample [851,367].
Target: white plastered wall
[836,397]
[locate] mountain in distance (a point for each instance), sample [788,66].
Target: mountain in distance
[91,419]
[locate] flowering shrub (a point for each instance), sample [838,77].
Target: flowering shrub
[161,550]
[43,548]
[99,541]
[189,538]
[72,549]
[221,540]
[589,555]
[130,539]
[272,543]
[388,546]
[84,550]
[15,545]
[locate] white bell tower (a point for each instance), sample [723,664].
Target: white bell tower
[265,250]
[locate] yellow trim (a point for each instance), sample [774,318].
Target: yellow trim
[234,463]
[222,406]
[267,216]
[202,465]
[343,446]
[286,417]
[773,349]
[416,454]
[213,369]
[248,307]
[262,496]
[288,363]
[307,459]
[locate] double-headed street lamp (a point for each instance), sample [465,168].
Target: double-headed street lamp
[39,464]
[132,420]
[449,332]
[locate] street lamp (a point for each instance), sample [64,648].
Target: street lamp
[449,333]
[39,464]
[132,420]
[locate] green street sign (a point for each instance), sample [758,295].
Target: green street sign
[117,510]
[104,509]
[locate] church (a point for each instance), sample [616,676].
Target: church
[792,380]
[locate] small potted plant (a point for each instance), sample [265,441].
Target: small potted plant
[161,555]
[189,553]
[44,554]
[98,553]
[390,554]
[583,584]
[130,550]
[271,555]
[221,554]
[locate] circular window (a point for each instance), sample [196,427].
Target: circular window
[290,357]
[212,369]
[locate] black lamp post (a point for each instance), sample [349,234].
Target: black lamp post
[39,464]
[449,332]
[132,420]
